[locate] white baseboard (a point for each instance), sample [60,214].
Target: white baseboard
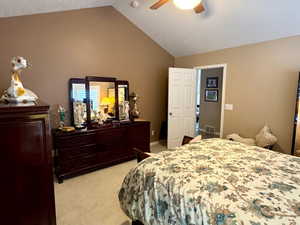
[154,143]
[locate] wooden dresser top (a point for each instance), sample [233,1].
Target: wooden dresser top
[23,107]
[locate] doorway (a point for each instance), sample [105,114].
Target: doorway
[210,94]
[182,102]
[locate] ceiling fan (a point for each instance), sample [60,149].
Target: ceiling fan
[197,5]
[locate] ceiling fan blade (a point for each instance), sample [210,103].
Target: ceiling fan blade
[199,8]
[159,4]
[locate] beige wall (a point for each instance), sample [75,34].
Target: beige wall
[261,84]
[97,41]
[210,112]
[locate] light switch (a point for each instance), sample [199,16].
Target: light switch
[228,107]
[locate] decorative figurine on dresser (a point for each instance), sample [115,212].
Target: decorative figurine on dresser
[105,134]
[16,92]
[134,112]
[26,165]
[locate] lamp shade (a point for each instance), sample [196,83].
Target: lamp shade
[107,100]
[186,4]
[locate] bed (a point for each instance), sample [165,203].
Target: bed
[214,182]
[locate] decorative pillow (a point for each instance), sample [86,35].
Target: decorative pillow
[265,137]
[196,139]
[238,138]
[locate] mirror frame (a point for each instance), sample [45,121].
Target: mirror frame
[89,79]
[296,119]
[123,82]
[71,82]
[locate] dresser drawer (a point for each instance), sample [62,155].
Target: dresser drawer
[76,151]
[79,163]
[114,136]
[75,140]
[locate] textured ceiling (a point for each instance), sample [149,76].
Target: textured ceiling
[225,24]
[26,7]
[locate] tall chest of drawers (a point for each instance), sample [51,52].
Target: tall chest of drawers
[26,165]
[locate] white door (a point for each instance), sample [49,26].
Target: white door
[182,105]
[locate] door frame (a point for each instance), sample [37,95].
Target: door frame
[295,120]
[224,66]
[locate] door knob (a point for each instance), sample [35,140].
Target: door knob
[170,114]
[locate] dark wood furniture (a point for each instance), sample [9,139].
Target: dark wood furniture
[186,140]
[26,165]
[140,155]
[84,151]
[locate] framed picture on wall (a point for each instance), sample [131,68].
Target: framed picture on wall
[211,95]
[212,82]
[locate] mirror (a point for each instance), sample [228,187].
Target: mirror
[123,100]
[101,98]
[77,97]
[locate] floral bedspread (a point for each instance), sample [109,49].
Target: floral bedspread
[217,182]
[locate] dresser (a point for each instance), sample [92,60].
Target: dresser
[84,151]
[27,192]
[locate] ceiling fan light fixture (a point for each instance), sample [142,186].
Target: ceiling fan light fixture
[186,4]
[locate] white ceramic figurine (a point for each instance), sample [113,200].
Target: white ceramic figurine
[79,114]
[16,92]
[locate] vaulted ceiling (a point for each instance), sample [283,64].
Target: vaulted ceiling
[27,7]
[225,23]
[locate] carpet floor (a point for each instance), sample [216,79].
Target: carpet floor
[92,199]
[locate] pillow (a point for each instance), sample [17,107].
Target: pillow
[238,138]
[196,139]
[265,137]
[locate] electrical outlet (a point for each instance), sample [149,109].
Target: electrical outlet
[153,132]
[228,107]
